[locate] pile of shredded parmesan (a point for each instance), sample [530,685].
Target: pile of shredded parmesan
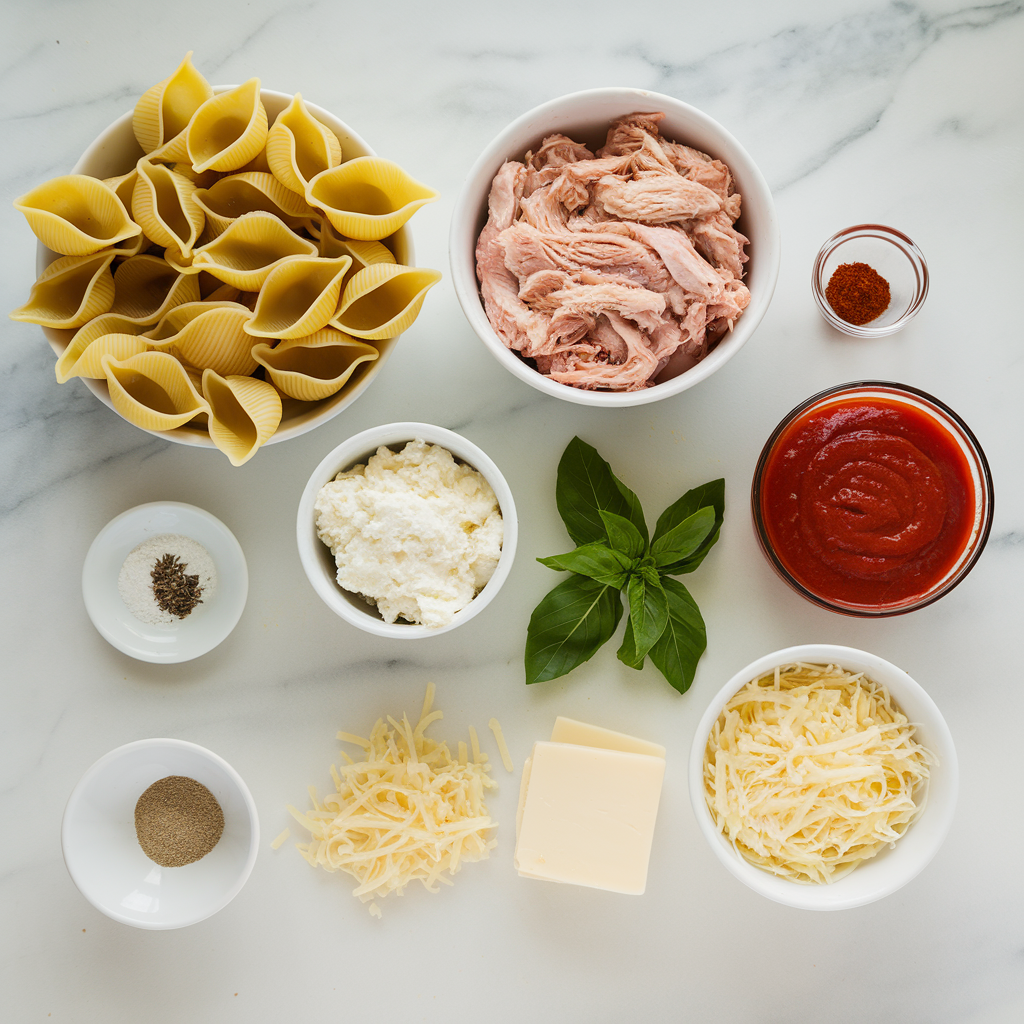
[810,770]
[408,810]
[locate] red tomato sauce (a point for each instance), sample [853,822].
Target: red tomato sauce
[868,501]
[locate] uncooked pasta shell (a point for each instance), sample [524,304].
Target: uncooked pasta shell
[145,288]
[152,390]
[299,146]
[119,346]
[164,111]
[123,186]
[205,180]
[364,254]
[105,323]
[208,335]
[229,130]
[70,292]
[238,194]
[244,254]
[164,206]
[182,264]
[383,300]
[298,297]
[244,414]
[314,367]
[367,198]
[76,215]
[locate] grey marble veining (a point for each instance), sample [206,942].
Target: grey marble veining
[902,113]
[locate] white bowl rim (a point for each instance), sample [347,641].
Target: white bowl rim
[199,439]
[824,897]
[347,454]
[77,795]
[464,271]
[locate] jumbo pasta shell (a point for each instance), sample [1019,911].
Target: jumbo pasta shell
[70,292]
[146,287]
[208,336]
[164,111]
[118,346]
[367,198]
[105,323]
[298,297]
[123,185]
[76,215]
[314,367]
[229,130]
[182,264]
[238,194]
[244,414]
[249,248]
[383,300]
[152,390]
[164,206]
[299,146]
[205,180]
[364,254]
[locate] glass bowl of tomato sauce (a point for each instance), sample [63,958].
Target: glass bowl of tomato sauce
[872,498]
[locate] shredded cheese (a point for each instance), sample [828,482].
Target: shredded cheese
[499,737]
[406,811]
[811,770]
[280,839]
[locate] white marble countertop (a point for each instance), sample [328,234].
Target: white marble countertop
[903,113]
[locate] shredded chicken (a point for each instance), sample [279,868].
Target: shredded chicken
[605,268]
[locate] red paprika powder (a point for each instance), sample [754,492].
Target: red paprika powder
[857,293]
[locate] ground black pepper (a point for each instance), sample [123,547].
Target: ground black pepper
[178,821]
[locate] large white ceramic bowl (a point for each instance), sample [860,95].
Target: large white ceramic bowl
[585,117]
[316,557]
[116,151]
[893,867]
[103,855]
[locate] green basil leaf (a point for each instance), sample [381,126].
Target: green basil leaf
[569,626]
[711,493]
[648,614]
[627,651]
[679,648]
[586,486]
[683,540]
[598,561]
[623,535]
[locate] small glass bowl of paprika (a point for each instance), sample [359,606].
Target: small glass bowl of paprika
[869,280]
[872,499]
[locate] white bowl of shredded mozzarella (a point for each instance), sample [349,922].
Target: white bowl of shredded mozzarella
[410,547]
[823,777]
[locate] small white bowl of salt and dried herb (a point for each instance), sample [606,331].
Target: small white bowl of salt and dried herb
[617,556]
[165,582]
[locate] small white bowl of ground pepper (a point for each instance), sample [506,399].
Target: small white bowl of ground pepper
[160,833]
[869,280]
[165,582]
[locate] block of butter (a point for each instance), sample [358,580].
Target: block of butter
[587,808]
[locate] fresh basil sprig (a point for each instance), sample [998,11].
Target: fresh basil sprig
[615,554]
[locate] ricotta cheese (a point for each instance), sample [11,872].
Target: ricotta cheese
[414,532]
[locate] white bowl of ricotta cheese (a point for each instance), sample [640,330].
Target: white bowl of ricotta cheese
[418,536]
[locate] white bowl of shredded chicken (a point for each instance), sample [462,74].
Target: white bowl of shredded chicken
[823,777]
[614,247]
